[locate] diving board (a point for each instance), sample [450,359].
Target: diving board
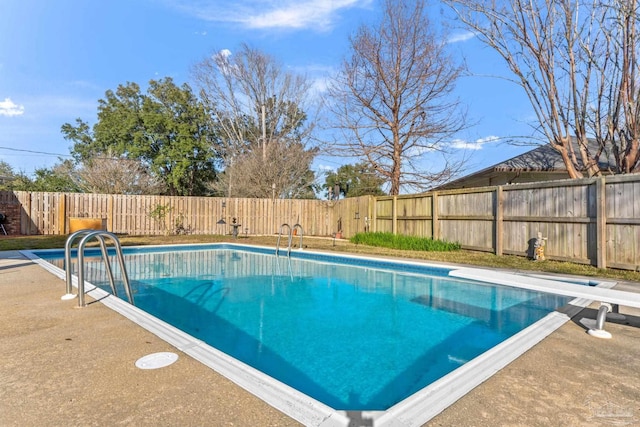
[602,294]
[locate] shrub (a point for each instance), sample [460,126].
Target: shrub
[407,243]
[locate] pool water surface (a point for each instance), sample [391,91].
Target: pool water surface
[352,337]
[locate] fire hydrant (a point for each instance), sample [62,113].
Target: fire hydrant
[538,247]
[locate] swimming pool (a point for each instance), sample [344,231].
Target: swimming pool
[353,333]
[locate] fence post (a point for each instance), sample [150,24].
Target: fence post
[601,223]
[110,213]
[394,215]
[499,215]
[62,214]
[30,223]
[435,224]
[374,216]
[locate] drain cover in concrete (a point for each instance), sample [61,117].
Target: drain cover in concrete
[156,360]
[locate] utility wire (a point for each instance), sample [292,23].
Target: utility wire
[34,152]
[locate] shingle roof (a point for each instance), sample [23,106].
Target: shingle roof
[541,159]
[546,158]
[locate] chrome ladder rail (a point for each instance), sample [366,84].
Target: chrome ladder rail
[290,241]
[280,235]
[99,235]
[296,226]
[68,266]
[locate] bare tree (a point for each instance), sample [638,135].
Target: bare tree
[577,64]
[620,89]
[283,173]
[392,99]
[116,175]
[255,103]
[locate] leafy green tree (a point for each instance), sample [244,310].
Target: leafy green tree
[21,183]
[7,176]
[168,130]
[10,180]
[354,181]
[60,178]
[6,171]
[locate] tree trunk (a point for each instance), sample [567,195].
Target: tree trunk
[566,158]
[631,158]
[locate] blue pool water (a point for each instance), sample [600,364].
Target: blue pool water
[351,336]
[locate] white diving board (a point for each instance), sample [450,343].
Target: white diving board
[612,296]
[601,294]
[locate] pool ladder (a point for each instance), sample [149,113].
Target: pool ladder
[291,230]
[88,235]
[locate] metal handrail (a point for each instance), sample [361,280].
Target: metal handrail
[301,235]
[289,243]
[280,235]
[100,235]
[67,260]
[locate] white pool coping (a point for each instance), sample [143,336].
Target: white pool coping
[415,410]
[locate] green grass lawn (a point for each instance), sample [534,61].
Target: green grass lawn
[463,257]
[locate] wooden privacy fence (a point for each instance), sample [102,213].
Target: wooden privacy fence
[54,213]
[594,221]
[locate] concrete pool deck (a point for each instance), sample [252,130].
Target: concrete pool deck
[60,365]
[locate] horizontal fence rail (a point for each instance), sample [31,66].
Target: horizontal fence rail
[30,213]
[592,221]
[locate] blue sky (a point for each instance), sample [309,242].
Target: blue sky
[57,58]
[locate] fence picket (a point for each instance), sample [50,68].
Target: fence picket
[501,219]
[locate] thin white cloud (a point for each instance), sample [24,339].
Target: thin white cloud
[320,13]
[10,109]
[84,85]
[319,85]
[270,14]
[63,107]
[462,37]
[473,145]
[326,168]
[223,61]
[488,139]
[319,76]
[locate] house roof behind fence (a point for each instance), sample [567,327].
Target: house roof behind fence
[543,159]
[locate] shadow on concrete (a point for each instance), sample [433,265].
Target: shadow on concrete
[12,266]
[592,314]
